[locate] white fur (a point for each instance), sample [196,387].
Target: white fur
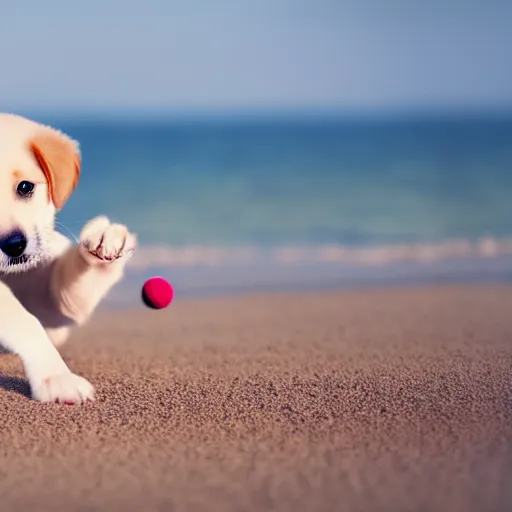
[61,284]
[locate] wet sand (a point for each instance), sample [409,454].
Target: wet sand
[359,401]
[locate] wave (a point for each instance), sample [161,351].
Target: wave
[424,253]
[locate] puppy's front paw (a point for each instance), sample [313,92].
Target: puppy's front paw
[64,388]
[102,242]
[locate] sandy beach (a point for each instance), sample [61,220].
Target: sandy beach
[385,400]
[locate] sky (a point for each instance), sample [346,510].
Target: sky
[292,54]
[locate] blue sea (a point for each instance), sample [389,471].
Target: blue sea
[226,204]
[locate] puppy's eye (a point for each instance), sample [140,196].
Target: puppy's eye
[25,188]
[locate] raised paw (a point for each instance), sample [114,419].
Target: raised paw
[103,242]
[64,388]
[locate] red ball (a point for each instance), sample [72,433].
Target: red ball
[157,293]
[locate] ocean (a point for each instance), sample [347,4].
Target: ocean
[257,203]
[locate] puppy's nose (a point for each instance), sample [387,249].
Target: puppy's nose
[13,245]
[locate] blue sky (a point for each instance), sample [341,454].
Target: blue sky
[255,53]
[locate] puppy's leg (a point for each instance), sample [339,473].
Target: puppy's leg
[85,273]
[49,377]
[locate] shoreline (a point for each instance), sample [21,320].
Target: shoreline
[259,277]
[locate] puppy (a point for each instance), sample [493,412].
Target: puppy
[48,285]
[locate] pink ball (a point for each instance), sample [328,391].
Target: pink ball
[157,293]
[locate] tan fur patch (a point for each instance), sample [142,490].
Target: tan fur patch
[60,162]
[17,176]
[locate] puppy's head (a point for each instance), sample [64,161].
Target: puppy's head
[39,169]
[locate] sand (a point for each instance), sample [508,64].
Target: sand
[358,401]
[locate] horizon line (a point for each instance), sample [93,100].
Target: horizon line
[167,113]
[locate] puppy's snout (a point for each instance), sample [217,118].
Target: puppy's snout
[14,244]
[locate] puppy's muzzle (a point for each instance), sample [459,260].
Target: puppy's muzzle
[14,244]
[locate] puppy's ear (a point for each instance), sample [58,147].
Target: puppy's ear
[60,160]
